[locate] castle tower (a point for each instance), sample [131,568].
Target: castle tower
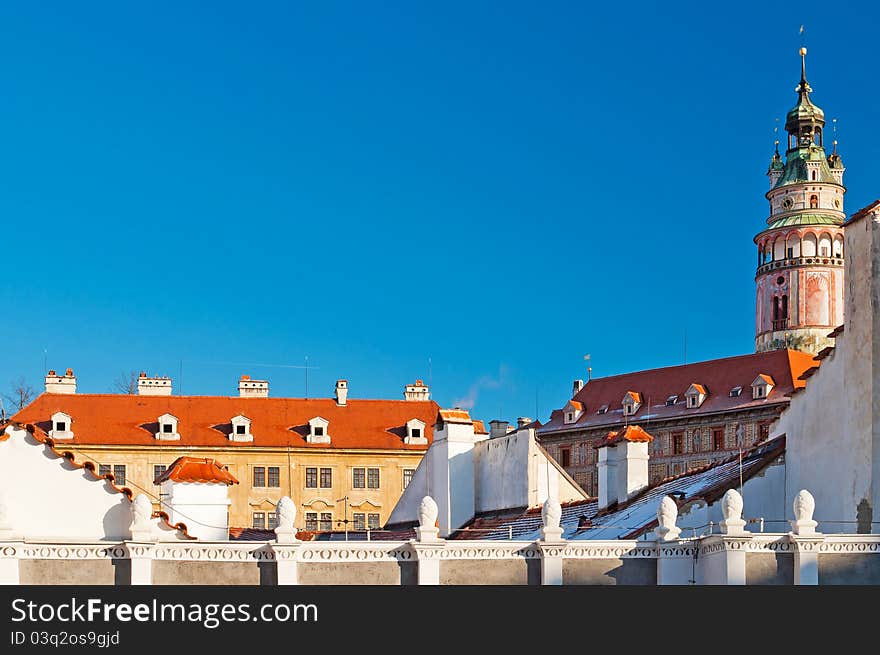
[799,281]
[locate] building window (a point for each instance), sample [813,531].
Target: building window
[360,521]
[312,521]
[677,443]
[764,431]
[696,441]
[693,400]
[759,391]
[326,522]
[271,520]
[407,477]
[167,428]
[358,478]
[372,478]
[311,477]
[570,417]
[240,429]
[259,476]
[814,202]
[259,520]
[823,251]
[119,474]
[789,253]
[417,433]
[671,401]
[319,430]
[326,478]
[158,471]
[718,439]
[60,426]
[103,469]
[274,477]
[373,521]
[735,392]
[565,457]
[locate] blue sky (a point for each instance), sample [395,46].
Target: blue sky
[499,188]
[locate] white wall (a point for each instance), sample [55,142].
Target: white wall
[832,431]
[48,498]
[202,507]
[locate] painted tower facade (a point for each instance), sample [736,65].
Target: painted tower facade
[799,281]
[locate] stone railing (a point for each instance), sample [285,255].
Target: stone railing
[735,556]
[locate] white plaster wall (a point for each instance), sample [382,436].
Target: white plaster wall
[831,427]
[47,498]
[202,507]
[502,472]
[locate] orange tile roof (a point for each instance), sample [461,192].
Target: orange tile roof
[630,433]
[636,396]
[196,469]
[455,416]
[656,385]
[699,387]
[121,419]
[769,380]
[480,427]
[578,406]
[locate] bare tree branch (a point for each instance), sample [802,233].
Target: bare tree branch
[126,383]
[21,394]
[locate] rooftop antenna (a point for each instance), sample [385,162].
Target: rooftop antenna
[589,368]
[834,130]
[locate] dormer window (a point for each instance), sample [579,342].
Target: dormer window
[671,401]
[762,386]
[415,432]
[631,403]
[61,426]
[695,395]
[241,429]
[318,430]
[572,412]
[602,410]
[735,392]
[168,428]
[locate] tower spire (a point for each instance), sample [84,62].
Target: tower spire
[804,86]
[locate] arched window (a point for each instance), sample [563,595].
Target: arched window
[784,309]
[813,175]
[814,202]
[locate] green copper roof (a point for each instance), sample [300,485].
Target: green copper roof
[796,166]
[806,219]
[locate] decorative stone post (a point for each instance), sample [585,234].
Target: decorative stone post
[551,545]
[805,540]
[674,559]
[286,547]
[140,547]
[427,545]
[731,508]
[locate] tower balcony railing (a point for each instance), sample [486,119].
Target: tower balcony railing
[780,324]
[836,260]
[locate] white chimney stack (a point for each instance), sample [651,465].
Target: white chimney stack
[417,391]
[157,386]
[623,465]
[61,383]
[576,386]
[341,392]
[248,388]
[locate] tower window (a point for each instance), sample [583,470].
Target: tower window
[813,176]
[814,202]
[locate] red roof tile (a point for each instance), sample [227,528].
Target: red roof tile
[196,469]
[630,433]
[120,419]
[656,385]
[455,416]
[480,427]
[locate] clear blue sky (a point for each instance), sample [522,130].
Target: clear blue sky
[499,187]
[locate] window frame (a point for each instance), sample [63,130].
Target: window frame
[311,477]
[359,472]
[371,471]
[408,476]
[262,520]
[273,472]
[261,471]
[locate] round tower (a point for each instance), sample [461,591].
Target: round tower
[799,281]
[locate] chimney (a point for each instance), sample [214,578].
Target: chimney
[522,422]
[497,428]
[61,383]
[623,465]
[157,386]
[417,391]
[195,491]
[341,392]
[248,388]
[576,386]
